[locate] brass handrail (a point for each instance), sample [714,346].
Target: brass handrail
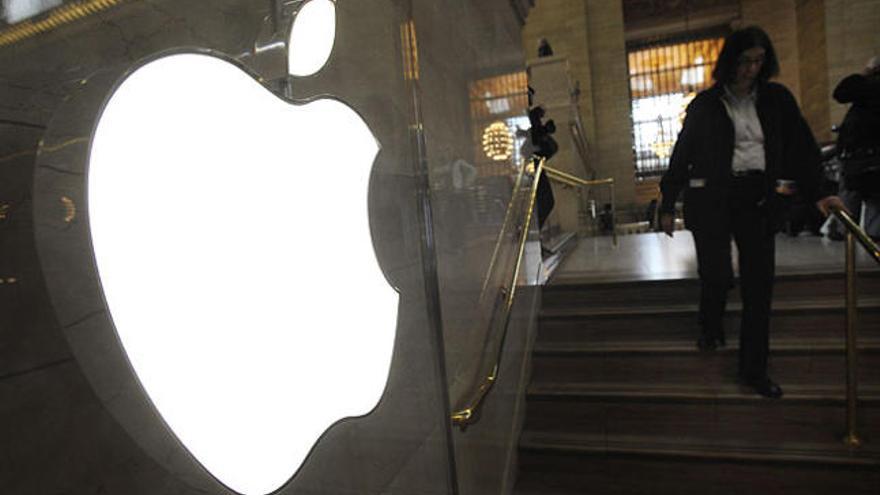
[854,232]
[465,413]
[859,233]
[575,181]
[55,18]
[501,233]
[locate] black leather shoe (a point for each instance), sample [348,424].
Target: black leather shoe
[711,342]
[764,387]
[706,343]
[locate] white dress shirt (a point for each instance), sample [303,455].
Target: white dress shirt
[748,150]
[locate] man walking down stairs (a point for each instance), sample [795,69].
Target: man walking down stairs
[622,402]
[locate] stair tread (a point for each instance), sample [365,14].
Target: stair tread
[668,309]
[573,283]
[777,346]
[621,397]
[717,393]
[729,449]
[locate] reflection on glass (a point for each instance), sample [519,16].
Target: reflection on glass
[498,142]
[499,96]
[410,51]
[499,101]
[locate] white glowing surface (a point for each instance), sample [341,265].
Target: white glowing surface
[231,235]
[311,37]
[19,10]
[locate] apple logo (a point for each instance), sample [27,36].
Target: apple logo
[232,241]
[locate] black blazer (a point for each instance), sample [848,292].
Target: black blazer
[860,129]
[702,157]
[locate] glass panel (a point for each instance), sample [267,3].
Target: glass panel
[474,98]
[377,70]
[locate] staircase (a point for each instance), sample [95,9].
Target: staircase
[622,402]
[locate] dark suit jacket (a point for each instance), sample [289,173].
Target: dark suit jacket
[860,129]
[701,160]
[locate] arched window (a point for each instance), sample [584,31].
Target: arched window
[664,75]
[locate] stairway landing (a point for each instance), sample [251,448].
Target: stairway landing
[654,256]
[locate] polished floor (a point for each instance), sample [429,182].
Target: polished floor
[654,256]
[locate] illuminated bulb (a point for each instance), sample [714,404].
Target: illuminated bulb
[498,142]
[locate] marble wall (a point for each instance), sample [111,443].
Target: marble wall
[779,19]
[590,35]
[74,419]
[813,66]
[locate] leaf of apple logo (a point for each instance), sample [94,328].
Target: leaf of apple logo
[231,237]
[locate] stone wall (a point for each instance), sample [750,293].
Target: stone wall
[563,23]
[590,35]
[779,19]
[813,65]
[610,96]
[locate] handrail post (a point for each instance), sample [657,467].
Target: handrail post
[852,438]
[613,215]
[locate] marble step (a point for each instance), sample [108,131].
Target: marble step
[779,347]
[654,293]
[666,363]
[554,463]
[707,415]
[790,319]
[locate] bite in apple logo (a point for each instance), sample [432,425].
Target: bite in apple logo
[232,241]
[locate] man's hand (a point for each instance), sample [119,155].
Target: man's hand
[828,203]
[667,223]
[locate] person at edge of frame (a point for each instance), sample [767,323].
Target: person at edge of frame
[743,147]
[858,143]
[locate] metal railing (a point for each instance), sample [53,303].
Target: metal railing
[854,233]
[53,19]
[574,181]
[466,411]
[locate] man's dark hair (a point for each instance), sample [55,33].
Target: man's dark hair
[738,42]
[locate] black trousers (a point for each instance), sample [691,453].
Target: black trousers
[748,223]
[544,199]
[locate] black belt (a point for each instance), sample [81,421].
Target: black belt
[752,172]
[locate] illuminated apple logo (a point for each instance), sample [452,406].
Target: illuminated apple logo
[232,240]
